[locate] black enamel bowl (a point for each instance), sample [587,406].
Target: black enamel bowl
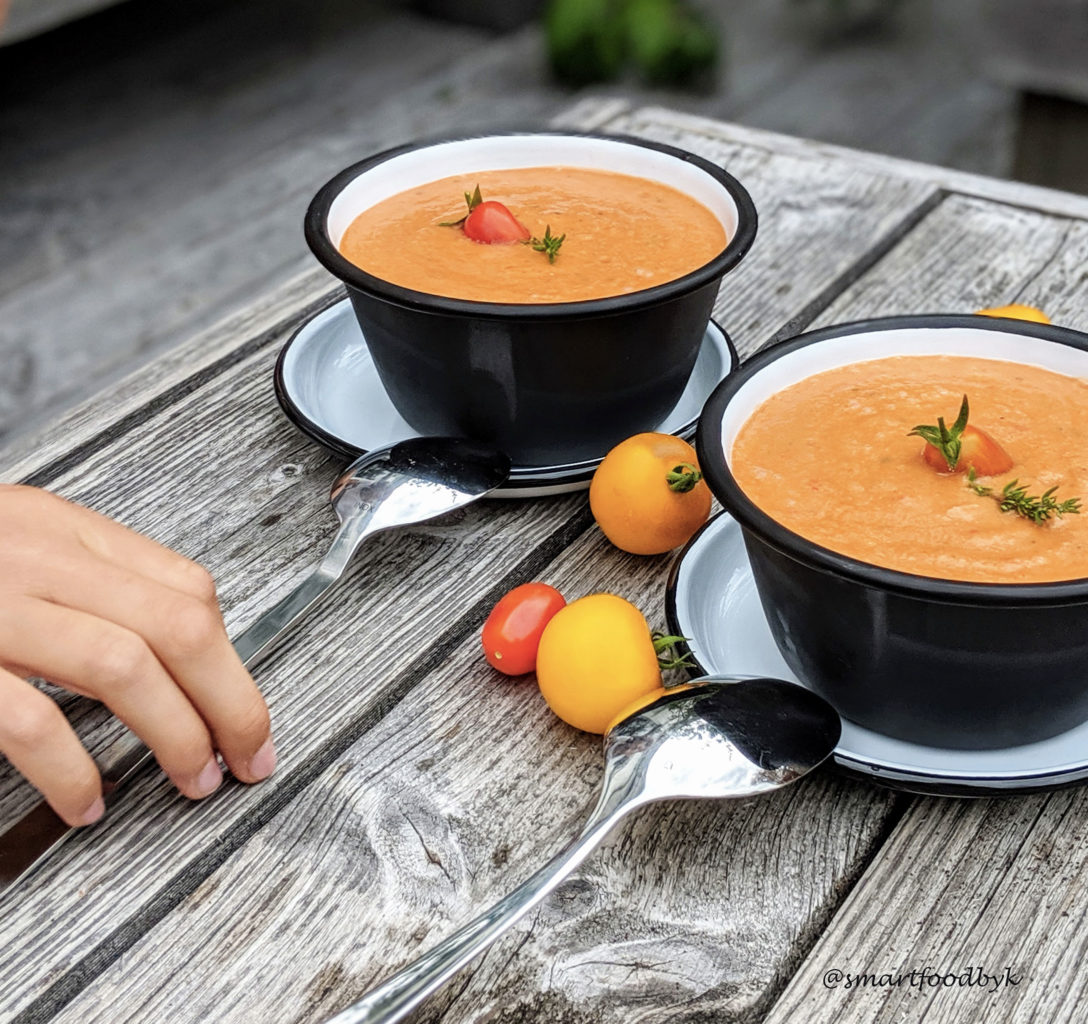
[548,383]
[931,661]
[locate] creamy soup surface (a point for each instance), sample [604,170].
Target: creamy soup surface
[830,459]
[623,234]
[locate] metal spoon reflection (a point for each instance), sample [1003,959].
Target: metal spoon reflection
[717,738]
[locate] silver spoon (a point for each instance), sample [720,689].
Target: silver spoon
[730,738]
[413,481]
[410,482]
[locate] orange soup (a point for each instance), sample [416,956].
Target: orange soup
[623,234]
[830,458]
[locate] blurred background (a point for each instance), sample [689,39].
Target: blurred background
[156,156]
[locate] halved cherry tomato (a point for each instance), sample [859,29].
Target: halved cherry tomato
[492,223]
[512,632]
[962,447]
[978,451]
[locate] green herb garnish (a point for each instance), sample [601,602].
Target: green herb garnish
[1014,498]
[472,200]
[549,244]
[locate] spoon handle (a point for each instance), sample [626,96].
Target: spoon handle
[403,991]
[257,639]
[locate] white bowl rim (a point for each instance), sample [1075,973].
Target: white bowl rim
[320,236]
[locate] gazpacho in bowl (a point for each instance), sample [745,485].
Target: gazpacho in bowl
[615,233]
[909,491]
[497,316]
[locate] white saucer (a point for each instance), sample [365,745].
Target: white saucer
[327,385]
[712,600]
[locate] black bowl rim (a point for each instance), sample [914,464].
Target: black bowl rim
[520,476]
[713,463]
[355,277]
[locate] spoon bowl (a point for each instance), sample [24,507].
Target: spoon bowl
[407,483]
[416,480]
[715,738]
[722,738]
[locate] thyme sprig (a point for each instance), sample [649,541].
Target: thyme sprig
[1014,498]
[472,200]
[549,244]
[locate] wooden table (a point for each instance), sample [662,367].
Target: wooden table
[415,786]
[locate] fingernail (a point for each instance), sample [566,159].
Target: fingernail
[263,763]
[209,779]
[93,813]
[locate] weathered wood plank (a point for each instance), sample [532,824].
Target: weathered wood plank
[960,889]
[985,885]
[153,473]
[156,172]
[970,254]
[717,937]
[99,280]
[688,913]
[677,124]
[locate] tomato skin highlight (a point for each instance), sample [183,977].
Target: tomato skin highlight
[492,223]
[512,632]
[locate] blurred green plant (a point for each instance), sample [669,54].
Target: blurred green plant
[669,42]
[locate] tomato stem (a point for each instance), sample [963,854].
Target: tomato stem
[667,656]
[683,478]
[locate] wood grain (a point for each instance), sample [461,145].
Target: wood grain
[988,884]
[164,468]
[678,124]
[690,912]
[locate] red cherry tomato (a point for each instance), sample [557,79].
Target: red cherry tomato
[493,223]
[978,451]
[511,634]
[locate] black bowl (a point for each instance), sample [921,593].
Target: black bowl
[552,382]
[931,661]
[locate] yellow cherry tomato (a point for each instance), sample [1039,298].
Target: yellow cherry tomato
[1017,311]
[595,658]
[648,495]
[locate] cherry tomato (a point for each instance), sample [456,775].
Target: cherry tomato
[978,451]
[596,658]
[492,223]
[648,495]
[962,447]
[512,632]
[1017,311]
